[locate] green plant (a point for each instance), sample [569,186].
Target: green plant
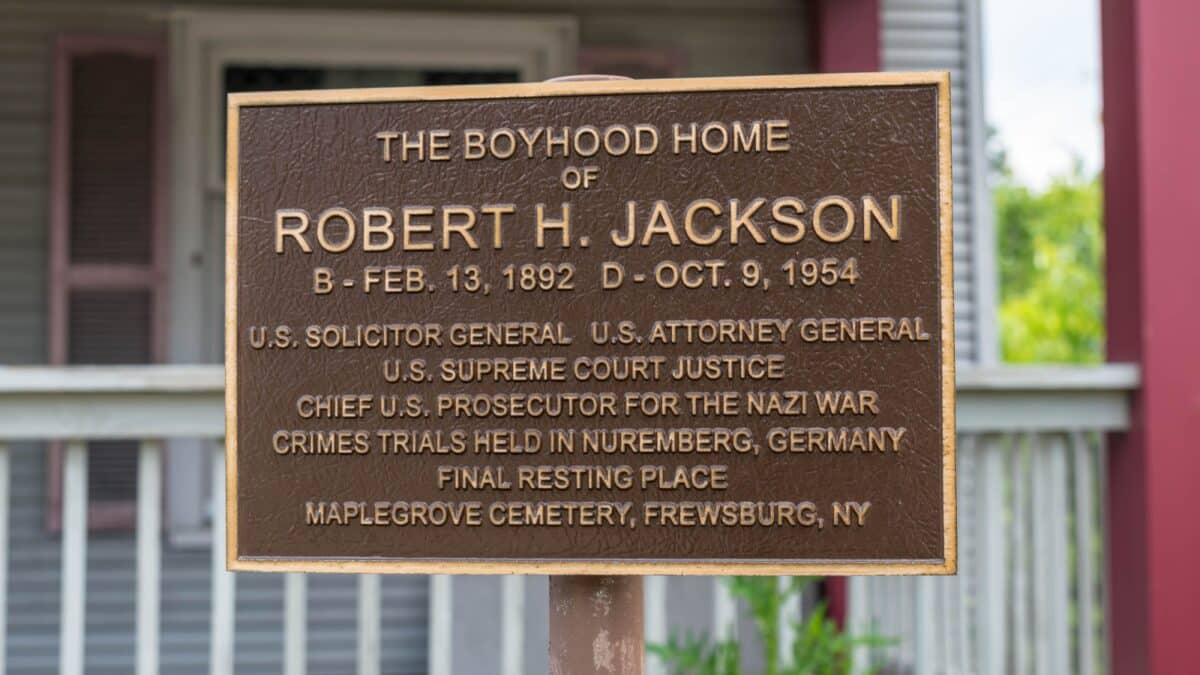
[820,646]
[1050,251]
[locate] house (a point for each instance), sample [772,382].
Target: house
[111,253]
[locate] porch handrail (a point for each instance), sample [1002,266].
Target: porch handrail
[1045,398]
[112,402]
[174,401]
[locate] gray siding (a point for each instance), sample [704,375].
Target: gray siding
[716,38]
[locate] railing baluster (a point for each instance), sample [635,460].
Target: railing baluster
[5,481]
[908,613]
[889,590]
[441,624]
[1020,640]
[789,616]
[223,582]
[893,620]
[512,625]
[949,590]
[966,584]
[1058,572]
[924,631]
[860,608]
[860,619]
[1040,536]
[149,555]
[295,623]
[655,619]
[74,558]
[992,555]
[369,589]
[1050,517]
[883,596]
[724,610]
[1084,522]
[1099,457]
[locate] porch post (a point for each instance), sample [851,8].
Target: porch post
[1152,209]
[845,35]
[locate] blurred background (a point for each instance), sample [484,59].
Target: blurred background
[1074,132]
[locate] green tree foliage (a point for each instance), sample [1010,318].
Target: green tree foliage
[820,647]
[1051,259]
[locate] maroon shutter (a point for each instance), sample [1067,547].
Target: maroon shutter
[106,248]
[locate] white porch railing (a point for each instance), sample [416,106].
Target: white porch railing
[1030,499]
[1030,593]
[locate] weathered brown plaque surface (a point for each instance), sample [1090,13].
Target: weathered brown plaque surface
[447,352]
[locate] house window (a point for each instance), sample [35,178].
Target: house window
[106,292]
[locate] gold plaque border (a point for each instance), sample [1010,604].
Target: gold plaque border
[948,564]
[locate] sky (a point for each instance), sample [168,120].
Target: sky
[1041,61]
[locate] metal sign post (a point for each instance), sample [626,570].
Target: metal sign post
[596,622]
[596,625]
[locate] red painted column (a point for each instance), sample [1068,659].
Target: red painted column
[845,36]
[1152,214]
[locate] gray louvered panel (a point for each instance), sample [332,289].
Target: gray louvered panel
[924,38]
[924,57]
[900,21]
[932,35]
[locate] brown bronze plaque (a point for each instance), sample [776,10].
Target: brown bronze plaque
[679,326]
